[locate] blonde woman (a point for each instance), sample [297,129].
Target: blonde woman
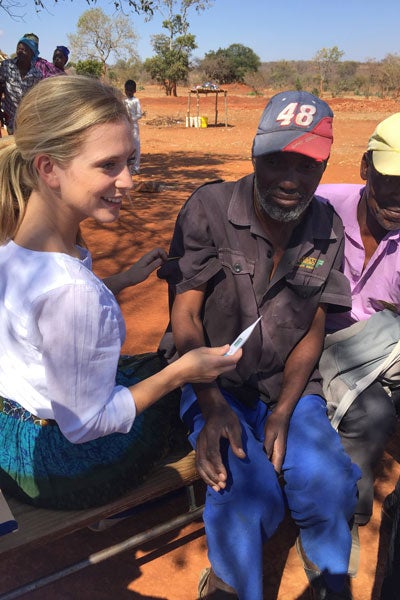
[74,430]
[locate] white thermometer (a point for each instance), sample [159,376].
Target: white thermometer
[242,338]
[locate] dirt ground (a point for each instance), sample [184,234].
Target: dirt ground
[175,160]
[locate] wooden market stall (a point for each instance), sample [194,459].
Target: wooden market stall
[205,91]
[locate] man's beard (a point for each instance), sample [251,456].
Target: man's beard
[278,213]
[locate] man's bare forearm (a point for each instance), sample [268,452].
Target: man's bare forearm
[301,363]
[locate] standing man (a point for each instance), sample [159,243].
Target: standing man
[371,218]
[265,247]
[17,76]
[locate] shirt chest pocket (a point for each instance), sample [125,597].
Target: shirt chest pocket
[295,306]
[236,289]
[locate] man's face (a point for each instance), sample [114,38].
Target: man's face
[24,54]
[59,59]
[285,183]
[383,195]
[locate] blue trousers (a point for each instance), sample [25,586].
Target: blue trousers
[320,491]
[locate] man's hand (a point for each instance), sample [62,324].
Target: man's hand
[276,429]
[149,262]
[221,422]
[138,272]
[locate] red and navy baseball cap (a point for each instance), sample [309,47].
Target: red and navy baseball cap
[295,121]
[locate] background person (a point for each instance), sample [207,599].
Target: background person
[265,247]
[17,76]
[75,431]
[135,111]
[60,57]
[46,68]
[371,216]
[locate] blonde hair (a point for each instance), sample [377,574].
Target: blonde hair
[52,118]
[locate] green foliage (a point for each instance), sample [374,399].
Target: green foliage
[228,65]
[170,65]
[123,70]
[389,78]
[218,67]
[281,73]
[89,67]
[326,61]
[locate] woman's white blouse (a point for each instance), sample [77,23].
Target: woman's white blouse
[61,332]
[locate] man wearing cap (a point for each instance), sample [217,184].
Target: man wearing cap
[265,247]
[371,218]
[17,76]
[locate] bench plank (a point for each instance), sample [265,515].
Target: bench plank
[37,525]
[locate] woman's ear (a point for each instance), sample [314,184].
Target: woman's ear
[47,170]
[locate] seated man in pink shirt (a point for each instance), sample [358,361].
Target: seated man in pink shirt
[371,218]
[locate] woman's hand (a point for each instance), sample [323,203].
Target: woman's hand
[204,365]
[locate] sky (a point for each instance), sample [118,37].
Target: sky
[274,30]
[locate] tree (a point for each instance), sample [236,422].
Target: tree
[390,74]
[171,62]
[172,50]
[243,60]
[123,70]
[99,35]
[283,74]
[326,60]
[231,64]
[218,67]
[370,75]
[175,13]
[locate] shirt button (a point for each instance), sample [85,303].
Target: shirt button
[237,268]
[269,254]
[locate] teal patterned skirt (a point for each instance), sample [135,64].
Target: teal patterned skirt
[41,467]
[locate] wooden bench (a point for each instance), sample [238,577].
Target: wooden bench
[37,526]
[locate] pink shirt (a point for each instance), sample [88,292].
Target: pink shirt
[380,282]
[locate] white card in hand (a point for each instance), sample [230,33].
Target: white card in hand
[242,338]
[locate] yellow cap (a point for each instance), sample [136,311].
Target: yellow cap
[385,146]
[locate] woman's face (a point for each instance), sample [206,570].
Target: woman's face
[96,181]
[59,60]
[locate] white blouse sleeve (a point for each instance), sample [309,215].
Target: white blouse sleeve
[81,344]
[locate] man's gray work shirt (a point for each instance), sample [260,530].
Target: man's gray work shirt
[222,244]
